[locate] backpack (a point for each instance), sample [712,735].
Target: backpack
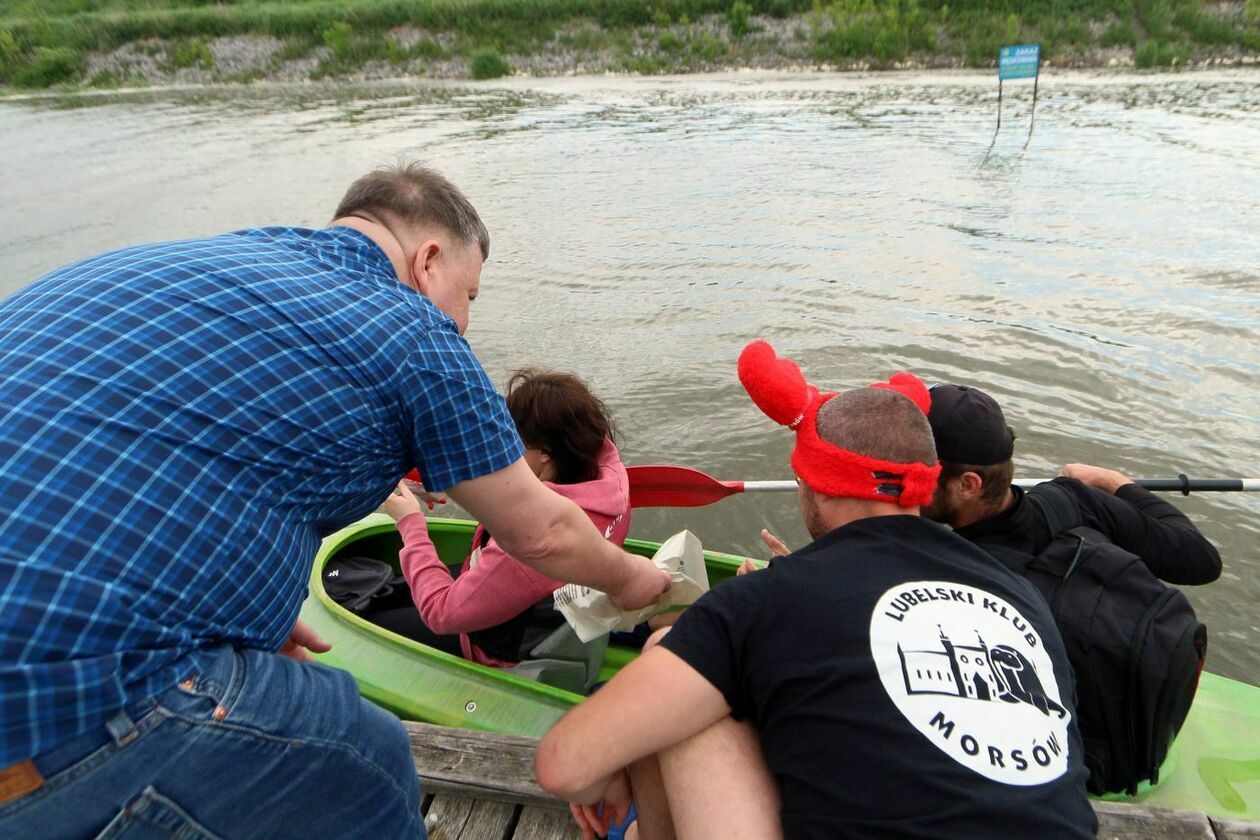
[361,584]
[1135,644]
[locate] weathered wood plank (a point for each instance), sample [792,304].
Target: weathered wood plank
[1122,821]
[447,816]
[545,824]
[461,764]
[1234,830]
[489,821]
[480,765]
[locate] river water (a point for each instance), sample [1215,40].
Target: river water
[1101,280]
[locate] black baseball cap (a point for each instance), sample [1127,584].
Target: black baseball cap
[969,427]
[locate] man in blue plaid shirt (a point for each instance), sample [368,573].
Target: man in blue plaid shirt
[180,424]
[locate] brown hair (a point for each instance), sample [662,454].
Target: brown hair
[557,413]
[416,195]
[878,424]
[995,479]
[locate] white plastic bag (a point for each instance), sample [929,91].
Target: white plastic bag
[591,613]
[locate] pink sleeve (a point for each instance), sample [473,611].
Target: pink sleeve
[493,591]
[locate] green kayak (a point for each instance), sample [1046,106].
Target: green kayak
[1213,767]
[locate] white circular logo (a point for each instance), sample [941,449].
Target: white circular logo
[970,673]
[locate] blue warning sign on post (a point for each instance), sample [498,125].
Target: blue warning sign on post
[1019,61]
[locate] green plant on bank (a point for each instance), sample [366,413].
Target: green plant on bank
[708,48]
[887,32]
[50,66]
[10,52]
[112,80]
[339,39]
[1157,54]
[1118,34]
[184,54]
[737,19]
[297,47]
[488,63]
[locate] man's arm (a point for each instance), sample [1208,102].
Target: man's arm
[1136,520]
[658,700]
[547,532]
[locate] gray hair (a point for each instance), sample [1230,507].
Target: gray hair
[416,195]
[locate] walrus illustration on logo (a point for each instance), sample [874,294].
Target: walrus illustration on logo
[1020,678]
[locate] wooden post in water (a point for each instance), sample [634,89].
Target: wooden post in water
[1032,117]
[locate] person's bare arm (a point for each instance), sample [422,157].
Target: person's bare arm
[547,532]
[658,700]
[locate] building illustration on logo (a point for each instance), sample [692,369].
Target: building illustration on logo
[975,672]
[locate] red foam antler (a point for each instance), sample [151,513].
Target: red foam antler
[910,386]
[776,385]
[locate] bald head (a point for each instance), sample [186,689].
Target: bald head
[877,423]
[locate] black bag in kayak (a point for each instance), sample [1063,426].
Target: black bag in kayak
[1135,644]
[360,583]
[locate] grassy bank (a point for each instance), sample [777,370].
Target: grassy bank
[106,43]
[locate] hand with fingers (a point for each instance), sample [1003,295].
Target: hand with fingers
[777,549]
[417,490]
[1108,481]
[303,641]
[401,503]
[596,819]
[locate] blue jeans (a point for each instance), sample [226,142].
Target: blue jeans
[257,745]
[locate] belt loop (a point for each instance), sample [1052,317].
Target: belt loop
[122,729]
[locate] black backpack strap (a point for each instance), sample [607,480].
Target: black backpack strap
[1057,507]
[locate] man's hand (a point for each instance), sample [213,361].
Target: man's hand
[303,638]
[776,546]
[401,503]
[1109,481]
[596,821]
[777,549]
[644,585]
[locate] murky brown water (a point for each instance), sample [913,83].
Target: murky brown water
[1103,283]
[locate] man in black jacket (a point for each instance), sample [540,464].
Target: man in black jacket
[975,496]
[1083,539]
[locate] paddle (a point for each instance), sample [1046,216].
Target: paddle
[671,486]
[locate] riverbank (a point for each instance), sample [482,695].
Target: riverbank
[137,43]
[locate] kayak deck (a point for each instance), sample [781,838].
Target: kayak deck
[1213,767]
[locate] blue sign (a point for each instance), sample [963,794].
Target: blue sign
[1019,61]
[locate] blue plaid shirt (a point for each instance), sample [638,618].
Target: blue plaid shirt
[180,424]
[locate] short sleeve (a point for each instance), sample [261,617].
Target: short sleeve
[460,425]
[710,637]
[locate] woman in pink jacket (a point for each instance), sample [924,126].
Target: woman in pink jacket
[501,608]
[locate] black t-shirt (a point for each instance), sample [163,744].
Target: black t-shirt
[902,684]
[1135,519]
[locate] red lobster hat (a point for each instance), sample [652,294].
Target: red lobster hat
[779,389]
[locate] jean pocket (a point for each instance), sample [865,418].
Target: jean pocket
[152,816]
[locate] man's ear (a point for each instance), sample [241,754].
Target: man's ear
[423,263]
[970,485]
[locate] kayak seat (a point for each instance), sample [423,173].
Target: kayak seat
[564,661]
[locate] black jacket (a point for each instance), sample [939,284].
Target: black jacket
[1134,519]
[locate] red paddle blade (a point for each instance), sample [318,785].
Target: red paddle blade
[665,486]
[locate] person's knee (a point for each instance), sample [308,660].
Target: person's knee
[385,744]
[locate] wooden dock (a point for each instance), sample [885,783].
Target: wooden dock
[480,786]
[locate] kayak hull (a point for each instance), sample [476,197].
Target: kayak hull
[1213,767]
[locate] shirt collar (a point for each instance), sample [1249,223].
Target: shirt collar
[1007,521]
[357,251]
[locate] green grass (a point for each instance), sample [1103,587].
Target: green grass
[191,53]
[45,42]
[488,63]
